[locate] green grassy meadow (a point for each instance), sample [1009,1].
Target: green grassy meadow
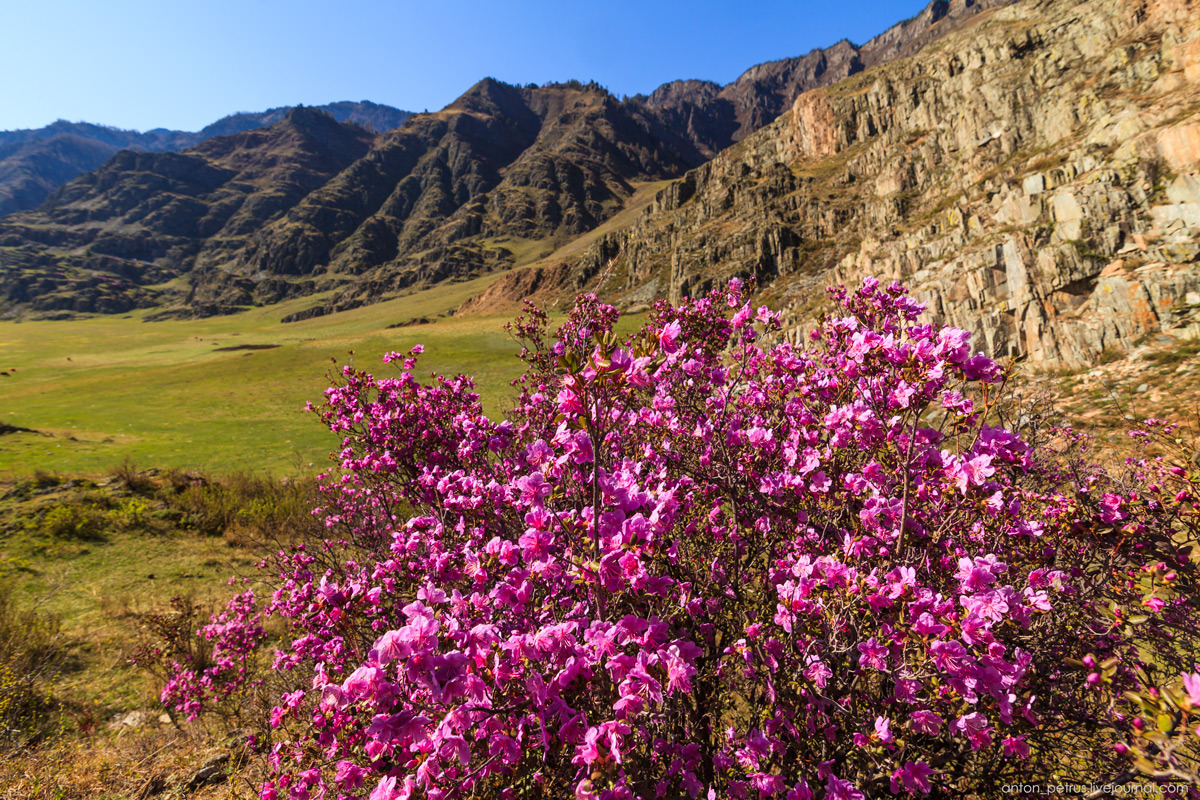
[108,388]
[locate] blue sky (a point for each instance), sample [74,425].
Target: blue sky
[140,64]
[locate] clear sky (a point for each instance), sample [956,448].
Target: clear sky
[165,63]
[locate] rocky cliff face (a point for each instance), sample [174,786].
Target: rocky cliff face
[1033,177]
[717,116]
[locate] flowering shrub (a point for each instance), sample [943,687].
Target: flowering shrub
[209,669]
[698,564]
[1150,676]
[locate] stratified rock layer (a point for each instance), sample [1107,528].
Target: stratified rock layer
[1032,176]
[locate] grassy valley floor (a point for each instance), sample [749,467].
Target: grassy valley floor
[223,393]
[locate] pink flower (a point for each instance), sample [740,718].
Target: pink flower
[679,672]
[535,545]
[926,625]
[386,790]
[668,337]
[1191,685]
[1111,508]
[589,752]
[970,472]
[975,727]
[533,487]
[1015,747]
[766,784]
[506,748]
[838,789]
[363,682]
[915,776]
[883,730]
[391,646]
[349,776]
[1037,599]
[926,721]
[569,402]
[818,672]
[978,573]
[873,654]
[742,317]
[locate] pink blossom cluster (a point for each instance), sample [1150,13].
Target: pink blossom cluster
[233,637]
[703,561]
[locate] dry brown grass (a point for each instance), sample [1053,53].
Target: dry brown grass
[148,762]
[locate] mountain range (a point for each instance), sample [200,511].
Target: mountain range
[500,176]
[36,161]
[1028,167]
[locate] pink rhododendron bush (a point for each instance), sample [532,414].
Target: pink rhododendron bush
[703,562]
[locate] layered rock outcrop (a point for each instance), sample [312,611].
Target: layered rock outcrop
[717,116]
[1033,177]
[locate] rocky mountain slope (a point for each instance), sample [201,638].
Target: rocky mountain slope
[447,195]
[1034,176]
[717,116]
[35,162]
[461,191]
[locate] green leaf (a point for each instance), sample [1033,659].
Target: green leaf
[1143,765]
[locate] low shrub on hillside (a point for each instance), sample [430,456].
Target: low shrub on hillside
[246,508]
[133,479]
[74,521]
[205,665]
[705,562]
[32,656]
[74,721]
